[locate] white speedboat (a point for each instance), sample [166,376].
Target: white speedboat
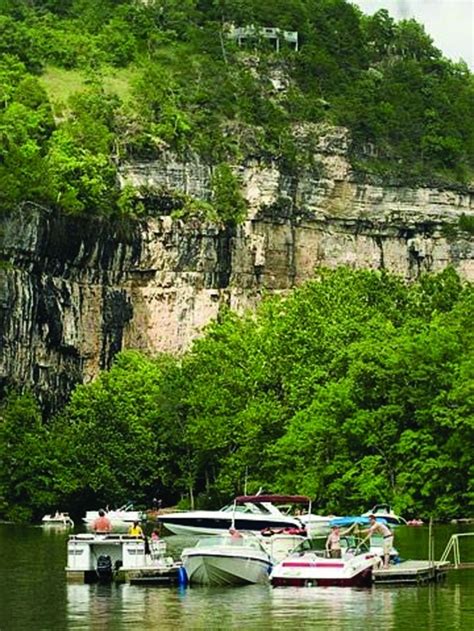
[308,566]
[247,513]
[61,520]
[119,518]
[237,558]
[227,560]
[385,512]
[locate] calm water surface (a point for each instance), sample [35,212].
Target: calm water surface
[35,595]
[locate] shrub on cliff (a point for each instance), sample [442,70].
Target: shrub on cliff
[200,92]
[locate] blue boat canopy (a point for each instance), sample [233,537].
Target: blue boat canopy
[357,519]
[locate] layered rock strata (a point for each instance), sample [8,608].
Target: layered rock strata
[75,292]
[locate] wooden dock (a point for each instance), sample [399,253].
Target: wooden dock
[411,573]
[153,576]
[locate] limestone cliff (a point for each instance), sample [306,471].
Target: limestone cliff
[73,292]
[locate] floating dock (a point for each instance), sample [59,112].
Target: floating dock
[411,573]
[159,576]
[171,575]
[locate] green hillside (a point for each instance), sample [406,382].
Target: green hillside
[86,84]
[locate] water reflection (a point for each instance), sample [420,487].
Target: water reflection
[261,606]
[34,594]
[339,608]
[257,606]
[97,606]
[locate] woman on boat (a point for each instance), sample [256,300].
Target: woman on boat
[333,542]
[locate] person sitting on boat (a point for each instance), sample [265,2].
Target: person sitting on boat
[235,534]
[377,528]
[333,542]
[102,524]
[135,530]
[155,535]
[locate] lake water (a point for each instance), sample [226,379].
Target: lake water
[35,595]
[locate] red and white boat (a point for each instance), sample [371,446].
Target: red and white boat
[307,567]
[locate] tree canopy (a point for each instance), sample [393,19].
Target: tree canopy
[355,389]
[384,80]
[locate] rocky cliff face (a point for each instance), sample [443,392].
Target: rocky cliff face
[74,292]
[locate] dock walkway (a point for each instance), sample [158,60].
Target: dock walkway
[411,573]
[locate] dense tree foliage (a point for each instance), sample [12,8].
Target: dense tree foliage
[355,389]
[193,89]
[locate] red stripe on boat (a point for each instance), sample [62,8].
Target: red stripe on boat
[301,564]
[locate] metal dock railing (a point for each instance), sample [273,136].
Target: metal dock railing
[420,572]
[453,546]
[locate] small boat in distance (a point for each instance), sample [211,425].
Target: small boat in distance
[62,520]
[385,512]
[120,518]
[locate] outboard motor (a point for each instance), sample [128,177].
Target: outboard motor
[104,568]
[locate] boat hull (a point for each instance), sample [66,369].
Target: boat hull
[61,520]
[223,568]
[216,525]
[308,570]
[317,524]
[386,513]
[127,557]
[364,579]
[120,520]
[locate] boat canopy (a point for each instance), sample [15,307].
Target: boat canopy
[282,499]
[361,520]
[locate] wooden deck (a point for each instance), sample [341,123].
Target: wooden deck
[166,575]
[411,573]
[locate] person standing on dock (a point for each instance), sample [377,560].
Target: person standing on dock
[102,524]
[377,528]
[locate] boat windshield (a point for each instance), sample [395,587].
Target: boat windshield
[318,544]
[382,508]
[255,508]
[228,540]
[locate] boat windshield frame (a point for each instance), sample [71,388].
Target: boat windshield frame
[273,499]
[249,507]
[316,545]
[225,539]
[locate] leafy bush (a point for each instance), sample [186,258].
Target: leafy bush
[356,388]
[199,92]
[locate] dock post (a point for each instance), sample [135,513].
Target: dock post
[430,525]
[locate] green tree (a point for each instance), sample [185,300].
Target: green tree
[25,465]
[226,196]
